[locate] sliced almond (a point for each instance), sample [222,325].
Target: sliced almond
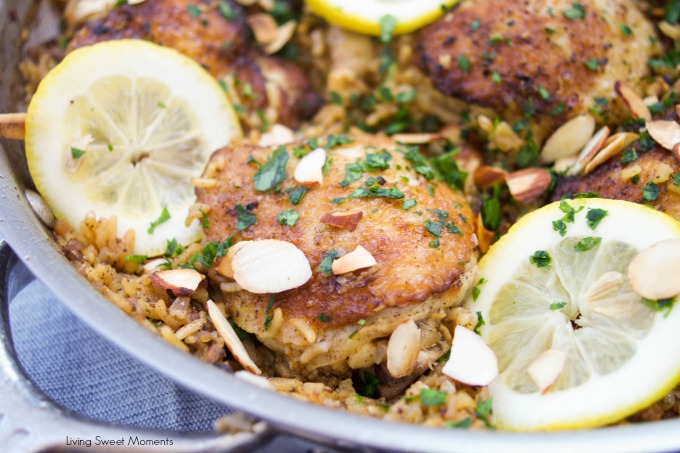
[505,138]
[588,152]
[230,338]
[527,185]
[416,139]
[254,379]
[665,133]
[13,125]
[568,139]
[360,258]
[545,370]
[563,165]
[264,27]
[484,237]
[182,282]
[283,35]
[40,207]
[605,286]
[403,349]
[276,136]
[309,171]
[270,266]
[224,266]
[486,176]
[613,146]
[633,101]
[670,30]
[653,273]
[346,220]
[471,361]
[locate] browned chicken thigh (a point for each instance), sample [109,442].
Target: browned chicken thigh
[217,37]
[335,323]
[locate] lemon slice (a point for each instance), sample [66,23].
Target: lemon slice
[119,129]
[549,299]
[366,16]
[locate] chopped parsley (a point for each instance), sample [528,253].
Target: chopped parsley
[420,165]
[483,411]
[594,217]
[587,243]
[480,323]
[205,222]
[370,385]
[464,423]
[650,192]
[446,356]
[541,259]
[661,305]
[269,317]
[295,195]
[560,227]
[430,397]
[576,12]
[476,290]
[463,63]
[288,217]
[592,63]
[327,261]
[323,317]
[557,306]
[626,30]
[629,155]
[272,172]
[164,217]
[408,204]
[244,218]
[173,248]
[139,259]
[378,161]
[193,11]
[226,10]
[77,153]
[447,170]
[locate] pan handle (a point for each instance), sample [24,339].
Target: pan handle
[30,422]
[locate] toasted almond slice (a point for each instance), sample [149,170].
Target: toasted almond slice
[613,146]
[416,139]
[547,367]
[471,361]
[676,151]
[346,220]
[653,273]
[527,185]
[633,101]
[152,266]
[283,35]
[677,109]
[484,237]
[665,133]
[13,125]
[486,176]
[360,258]
[605,286]
[263,26]
[270,266]
[309,171]
[564,164]
[40,207]
[670,30]
[505,138]
[182,282]
[568,139]
[224,266]
[230,338]
[403,349]
[254,379]
[589,151]
[277,135]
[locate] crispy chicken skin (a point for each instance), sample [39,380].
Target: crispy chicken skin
[656,166]
[411,280]
[527,58]
[224,47]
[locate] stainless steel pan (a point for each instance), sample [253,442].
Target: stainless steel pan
[28,418]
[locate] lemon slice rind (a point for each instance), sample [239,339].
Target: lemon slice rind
[364,17]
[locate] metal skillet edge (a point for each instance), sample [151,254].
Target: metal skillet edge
[34,246]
